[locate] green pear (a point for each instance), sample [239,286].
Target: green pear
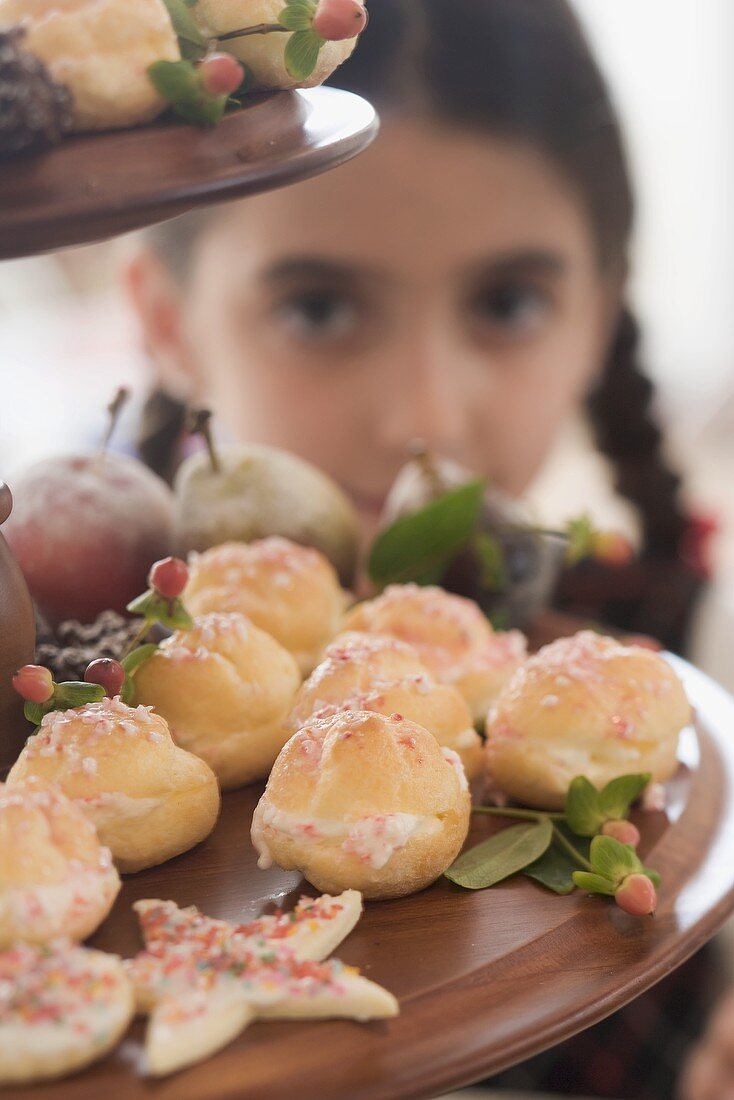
[255,491]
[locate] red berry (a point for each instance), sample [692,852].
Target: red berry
[623,831]
[34,683]
[338,19]
[169,577]
[613,548]
[637,896]
[220,74]
[108,674]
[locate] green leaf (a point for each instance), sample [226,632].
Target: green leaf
[34,712]
[177,618]
[236,98]
[593,884]
[141,604]
[185,25]
[131,664]
[75,693]
[157,609]
[302,53]
[427,539]
[178,83]
[555,868]
[298,15]
[616,798]
[583,813]
[612,860]
[581,533]
[491,559]
[504,854]
[138,657]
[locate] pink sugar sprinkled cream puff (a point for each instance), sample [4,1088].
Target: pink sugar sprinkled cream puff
[375,672]
[453,639]
[365,802]
[585,705]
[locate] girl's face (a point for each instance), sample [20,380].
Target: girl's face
[442,287]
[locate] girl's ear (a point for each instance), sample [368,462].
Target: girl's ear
[157,299]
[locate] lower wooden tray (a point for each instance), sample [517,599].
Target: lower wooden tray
[484,979]
[99,185]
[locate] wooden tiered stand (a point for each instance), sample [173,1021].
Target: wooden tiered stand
[484,979]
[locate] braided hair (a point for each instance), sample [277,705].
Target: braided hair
[627,432]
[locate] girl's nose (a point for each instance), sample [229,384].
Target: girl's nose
[428,397]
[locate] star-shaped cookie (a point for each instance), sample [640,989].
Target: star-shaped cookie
[202,980]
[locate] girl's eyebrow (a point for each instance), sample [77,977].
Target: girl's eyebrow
[531,261]
[305,268]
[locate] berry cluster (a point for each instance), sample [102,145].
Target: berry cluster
[106,676]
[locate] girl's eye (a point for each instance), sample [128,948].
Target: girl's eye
[319,316]
[511,309]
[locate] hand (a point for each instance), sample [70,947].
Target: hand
[709,1071]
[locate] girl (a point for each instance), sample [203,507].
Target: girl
[461,283]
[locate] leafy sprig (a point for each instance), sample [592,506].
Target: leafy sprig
[155,609]
[561,851]
[131,664]
[420,546]
[179,83]
[66,695]
[589,809]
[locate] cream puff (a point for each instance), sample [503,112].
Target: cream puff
[204,980]
[360,801]
[375,672]
[55,877]
[452,637]
[148,799]
[585,705]
[61,1008]
[290,591]
[225,689]
[101,50]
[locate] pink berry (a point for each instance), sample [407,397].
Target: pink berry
[623,831]
[108,674]
[34,683]
[220,74]
[613,548]
[637,896]
[338,19]
[169,577]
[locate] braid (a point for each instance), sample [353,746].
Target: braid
[162,423]
[628,434]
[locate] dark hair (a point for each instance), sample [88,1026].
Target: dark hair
[523,69]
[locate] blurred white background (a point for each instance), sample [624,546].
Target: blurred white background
[66,338]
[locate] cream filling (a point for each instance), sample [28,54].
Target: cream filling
[372,839]
[106,809]
[467,739]
[454,760]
